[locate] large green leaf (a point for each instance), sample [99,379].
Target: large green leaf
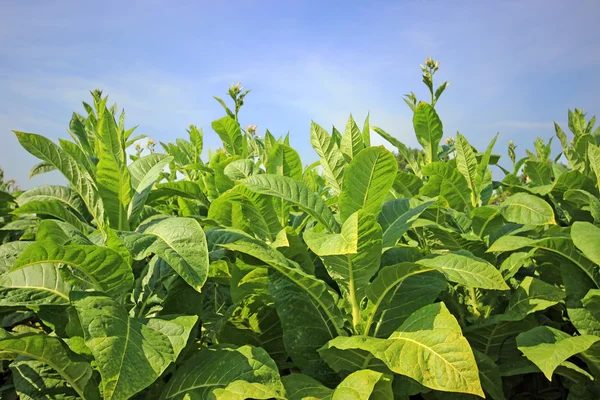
[240,208]
[64,194]
[182,244]
[429,347]
[144,173]
[367,181]
[466,163]
[397,292]
[586,238]
[332,160]
[364,385]
[80,180]
[215,372]
[230,133]
[303,387]
[54,208]
[464,268]
[352,256]
[186,189]
[524,208]
[548,348]
[112,175]
[53,352]
[307,308]
[130,353]
[295,192]
[397,216]
[428,129]
[33,380]
[445,181]
[352,140]
[593,155]
[96,267]
[284,161]
[402,150]
[39,284]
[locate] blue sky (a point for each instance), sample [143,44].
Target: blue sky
[515,66]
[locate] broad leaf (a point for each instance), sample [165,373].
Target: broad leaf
[367,181]
[131,353]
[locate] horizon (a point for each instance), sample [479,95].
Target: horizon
[514,68]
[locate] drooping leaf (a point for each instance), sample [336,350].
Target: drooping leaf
[212,372]
[397,216]
[445,181]
[586,238]
[428,347]
[524,208]
[53,352]
[295,192]
[397,292]
[130,353]
[182,244]
[464,268]
[97,267]
[547,347]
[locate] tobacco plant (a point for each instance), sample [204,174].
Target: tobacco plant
[254,276]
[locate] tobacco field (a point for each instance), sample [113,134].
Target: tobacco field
[160,272]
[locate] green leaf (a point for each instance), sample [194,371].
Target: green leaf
[33,379]
[540,173]
[464,268]
[185,189]
[284,161]
[524,208]
[303,387]
[367,181]
[364,385]
[466,163]
[428,129]
[332,161]
[52,352]
[213,371]
[239,169]
[586,238]
[593,154]
[547,347]
[39,284]
[182,244]
[52,208]
[230,133]
[240,208]
[295,192]
[366,133]
[64,194]
[60,232]
[80,180]
[489,375]
[352,140]
[397,292]
[9,252]
[112,175]
[397,216]
[445,181]
[98,267]
[41,168]
[428,347]
[307,309]
[130,353]
[144,173]
[402,149]
[351,257]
